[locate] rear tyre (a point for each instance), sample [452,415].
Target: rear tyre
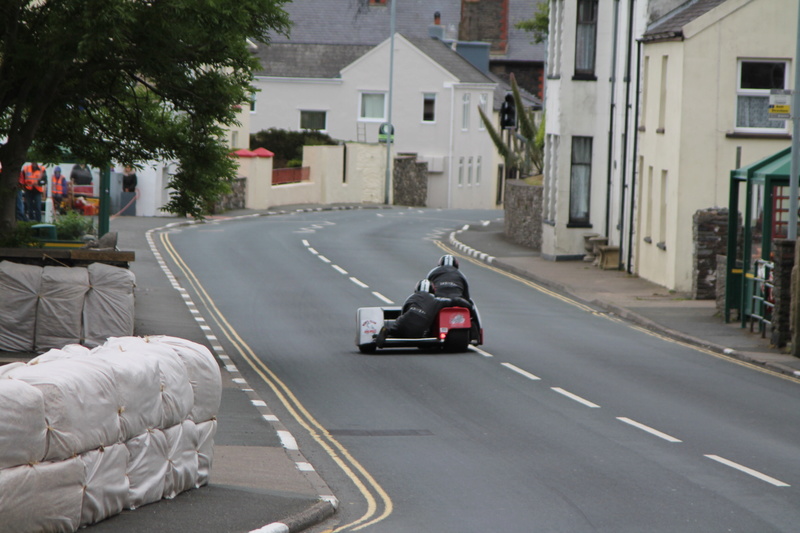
[457,340]
[367,348]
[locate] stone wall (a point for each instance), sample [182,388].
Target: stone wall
[710,236]
[410,181]
[523,213]
[235,199]
[783,258]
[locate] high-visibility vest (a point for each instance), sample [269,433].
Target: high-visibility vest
[59,185]
[31,177]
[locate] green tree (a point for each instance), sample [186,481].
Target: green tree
[539,24]
[126,81]
[288,145]
[524,148]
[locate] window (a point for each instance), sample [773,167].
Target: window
[465,112]
[252,103]
[460,171]
[372,107]
[469,171]
[585,39]
[377,2]
[478,166]
[483,103]
[580,180]
[313,120]
[429,107]
[662,212]
[662,97]
[756,78]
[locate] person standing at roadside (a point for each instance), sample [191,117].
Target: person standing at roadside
[60,189]
[34,179]
[129,180]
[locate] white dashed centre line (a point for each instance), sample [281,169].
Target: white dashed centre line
[339,269]
[382,297]
[520,371]
[575,397]
[359,282]
[750,471]
[648,429]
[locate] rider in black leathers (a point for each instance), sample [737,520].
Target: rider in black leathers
[447,279]
[419,312]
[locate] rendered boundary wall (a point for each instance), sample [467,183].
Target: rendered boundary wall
[85,434]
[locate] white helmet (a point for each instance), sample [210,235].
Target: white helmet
[448,260]
[424,286]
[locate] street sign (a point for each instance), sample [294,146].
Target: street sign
[780,104]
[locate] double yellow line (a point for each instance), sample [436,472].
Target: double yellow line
[372,492]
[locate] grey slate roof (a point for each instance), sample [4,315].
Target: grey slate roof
[293,60]
[670,26]
[449,60]
[355,22]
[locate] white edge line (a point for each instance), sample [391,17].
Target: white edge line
[754,473]
[359,282]
[648,429]
[575,397]
[521,372]
[382,297]
[287,440]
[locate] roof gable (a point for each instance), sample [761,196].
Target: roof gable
[671,26]
[295,60]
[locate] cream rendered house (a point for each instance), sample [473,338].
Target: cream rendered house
[707,70]
[342,90]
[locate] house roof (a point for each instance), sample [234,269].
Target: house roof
[355,22]
[670,26]
[303,60]
[450,60]
[295,60]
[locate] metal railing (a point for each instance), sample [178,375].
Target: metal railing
[290,175]
[762,302]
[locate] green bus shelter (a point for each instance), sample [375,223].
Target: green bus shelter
[763,187]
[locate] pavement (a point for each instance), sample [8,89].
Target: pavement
[260,481]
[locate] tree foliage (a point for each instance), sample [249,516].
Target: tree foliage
[288,145]
[524,148]
[539,24]
[128,81]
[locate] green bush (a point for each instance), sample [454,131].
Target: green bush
[72,226]
[288,145]
[23,236]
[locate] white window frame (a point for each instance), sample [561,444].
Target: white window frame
[361,110]
[483,103]
[465,103]
[780,126]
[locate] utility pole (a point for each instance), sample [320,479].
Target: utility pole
[390,127]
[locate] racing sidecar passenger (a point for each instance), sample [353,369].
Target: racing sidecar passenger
[419,312]
[448,281]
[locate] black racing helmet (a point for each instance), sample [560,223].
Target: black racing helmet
[424,285]
[448,260]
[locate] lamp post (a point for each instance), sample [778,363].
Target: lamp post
[390,127]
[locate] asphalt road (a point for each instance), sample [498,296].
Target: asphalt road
[566,419]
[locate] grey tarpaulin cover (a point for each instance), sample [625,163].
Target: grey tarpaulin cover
[19,295]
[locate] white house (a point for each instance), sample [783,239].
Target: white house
[591,124]
[343,90]
[707,71]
